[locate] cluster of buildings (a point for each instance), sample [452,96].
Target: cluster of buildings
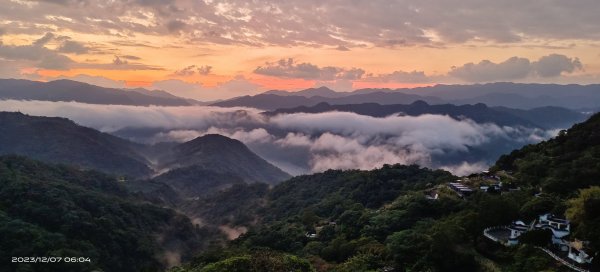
[565,250]
[560,228]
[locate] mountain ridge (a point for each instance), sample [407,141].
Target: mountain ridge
[479,113]
[69,90]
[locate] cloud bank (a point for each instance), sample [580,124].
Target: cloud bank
[303,143]
[517,68]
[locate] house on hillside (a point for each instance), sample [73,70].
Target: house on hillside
[491,188]
[577,252]
[432,195]
[516,229]
[310,235]
[560,227]
[461,189]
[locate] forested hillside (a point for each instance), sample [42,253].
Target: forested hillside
[60,211]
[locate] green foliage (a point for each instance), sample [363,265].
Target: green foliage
[59,211]
[561,165]
[253,261]
[528,258]
[58,140]
[584,211]
[540,237]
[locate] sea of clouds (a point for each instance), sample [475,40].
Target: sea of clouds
[303,143]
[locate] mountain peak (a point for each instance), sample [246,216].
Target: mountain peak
[214,138]
[419,103]
[224,155]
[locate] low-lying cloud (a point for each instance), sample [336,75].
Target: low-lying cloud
[303,143]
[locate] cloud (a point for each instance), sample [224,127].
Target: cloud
[516,68]
[317,23]
[176,25]
[43,40]
[302,142]
[289,68]
[73,47]
[484,71]
[36,54]
[402,77]
[130,57]
[193,69]
[554,65]
[204,70]
[117,61]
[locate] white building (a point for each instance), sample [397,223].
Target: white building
[559,227]
[516,229]
[577,252]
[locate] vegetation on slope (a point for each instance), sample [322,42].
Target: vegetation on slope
[60,211]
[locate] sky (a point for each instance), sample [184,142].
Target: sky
[211,50]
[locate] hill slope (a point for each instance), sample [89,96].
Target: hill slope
[59,140]
[563,164]
[59,211]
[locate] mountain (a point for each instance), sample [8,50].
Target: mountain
[195,181]
[222,155]
[164,94]
[501,94]
[59,140]
[321,91]
[512,95]
[479,113]
[58,211]
[560,165]
[274,101]
[68,90]
[267,101]
[546,117]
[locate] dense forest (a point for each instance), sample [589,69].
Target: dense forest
[60,211]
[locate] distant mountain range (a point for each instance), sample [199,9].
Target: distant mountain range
[513,95]
[59,140]
[274,101]
[545,117]
[68,90]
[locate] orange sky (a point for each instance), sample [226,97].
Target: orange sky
[249,48]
